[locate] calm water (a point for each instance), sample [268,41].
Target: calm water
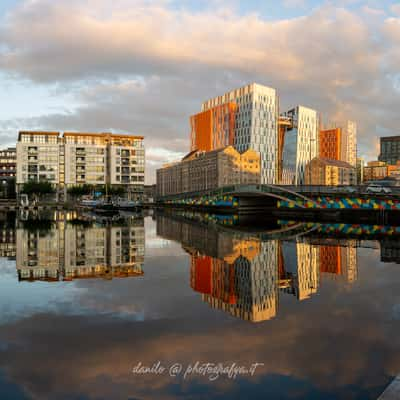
[123,308]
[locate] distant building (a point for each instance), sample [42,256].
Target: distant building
[208,170]
[300,144]
[390,149]
[360,170]
[8,163]
[375,170]
[349,143]
[321,171]
[76,159]
[330,143]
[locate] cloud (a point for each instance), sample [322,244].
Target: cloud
[145,67]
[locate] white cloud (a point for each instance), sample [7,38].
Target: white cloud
[144,67]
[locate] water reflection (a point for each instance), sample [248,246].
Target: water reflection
[243,274]
[317,288]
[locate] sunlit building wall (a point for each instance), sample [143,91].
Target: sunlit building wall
[300,145]
[349,143]
[213,128]
[81,158]
[39,158]
[321,171]
[330,143]
[209,170]
[256,123]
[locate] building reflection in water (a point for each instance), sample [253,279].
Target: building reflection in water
[243,274]
[69,251]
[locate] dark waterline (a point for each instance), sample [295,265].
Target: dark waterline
[83,301]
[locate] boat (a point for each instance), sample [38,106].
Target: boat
[127,204]
[90,203]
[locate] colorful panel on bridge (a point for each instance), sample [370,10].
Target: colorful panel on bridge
[348,229]
[214,201]
[340,203]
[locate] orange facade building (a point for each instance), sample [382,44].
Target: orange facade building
[330,143]
[213,129]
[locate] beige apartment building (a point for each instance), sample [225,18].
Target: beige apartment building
[201,170]
[322,171]
[75,159]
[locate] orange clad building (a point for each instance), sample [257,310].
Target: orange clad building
[330,143]
[213,129]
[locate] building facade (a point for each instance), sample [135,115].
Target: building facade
[253,110]
[375,170]
[8,163]
[349,143]
[209,170]
[360,170]
[75,159]
[213,128]
[300,144]
[322,171]
[330,143]
[390,149]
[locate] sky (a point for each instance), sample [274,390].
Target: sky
[143,67]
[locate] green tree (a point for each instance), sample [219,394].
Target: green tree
[81,190]
[37,188]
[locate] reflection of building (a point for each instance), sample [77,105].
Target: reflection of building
[81,158]
[7,243]
[243,284]
[390,149]
[390,251]
[339,261]
[255,122]
[70,252]
[209,170]
[321,171]
[301,268]
[300,144]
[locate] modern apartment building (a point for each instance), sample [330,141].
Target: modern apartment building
[322,171]
[330,143]
[213,128]
[300,144]
[201,170]
[8,163]
[75,159]
[349,143]
[390,149]
[246,118]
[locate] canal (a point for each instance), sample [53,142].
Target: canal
[182,305]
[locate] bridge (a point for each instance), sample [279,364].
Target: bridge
[306,196]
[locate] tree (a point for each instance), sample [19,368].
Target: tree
[112,190]
[82,190]
[37,188]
